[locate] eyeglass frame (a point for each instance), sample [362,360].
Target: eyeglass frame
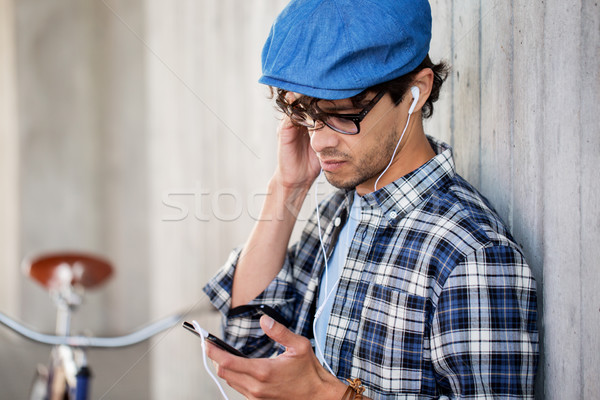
[356,118]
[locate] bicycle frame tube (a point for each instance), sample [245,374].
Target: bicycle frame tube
[138,336]
[83,380]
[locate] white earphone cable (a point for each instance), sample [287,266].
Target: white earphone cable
[203,338]
[322,306]
[319,225]
[393,154]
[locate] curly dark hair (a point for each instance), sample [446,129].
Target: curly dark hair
[396,89]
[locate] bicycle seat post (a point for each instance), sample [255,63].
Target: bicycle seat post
[63,320]
[65,275]
[66,296]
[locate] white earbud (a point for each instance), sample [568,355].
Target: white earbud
[415,93]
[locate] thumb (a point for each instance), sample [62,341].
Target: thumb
[280,333]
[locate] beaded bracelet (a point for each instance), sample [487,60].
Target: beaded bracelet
[354,390]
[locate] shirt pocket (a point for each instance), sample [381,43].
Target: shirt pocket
[389,349]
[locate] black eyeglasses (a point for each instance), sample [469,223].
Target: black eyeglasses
[348,124]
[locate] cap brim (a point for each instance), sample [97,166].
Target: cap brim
[319,93]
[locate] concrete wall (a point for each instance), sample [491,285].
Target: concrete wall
[137,129]
[81,176]
[523,114]
[211,147]
[9,187]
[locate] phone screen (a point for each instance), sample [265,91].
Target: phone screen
[215,340]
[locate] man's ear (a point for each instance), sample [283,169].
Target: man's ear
[424,81]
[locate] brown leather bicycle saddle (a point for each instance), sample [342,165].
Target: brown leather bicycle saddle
[87,270]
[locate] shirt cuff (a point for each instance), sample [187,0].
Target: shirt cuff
[241,326]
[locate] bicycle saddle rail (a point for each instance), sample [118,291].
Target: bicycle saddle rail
[144,333]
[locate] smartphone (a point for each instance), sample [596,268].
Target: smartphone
[214,340]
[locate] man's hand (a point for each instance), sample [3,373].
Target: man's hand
[265,251]
[298,164]
[295,374]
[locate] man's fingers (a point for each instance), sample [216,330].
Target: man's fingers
[286,123]
[279,333]
[220,356]
[228,361]
[247,376]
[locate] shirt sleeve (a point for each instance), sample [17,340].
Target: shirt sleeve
[484,340]
[241,326]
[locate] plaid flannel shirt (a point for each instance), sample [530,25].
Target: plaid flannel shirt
[435,298]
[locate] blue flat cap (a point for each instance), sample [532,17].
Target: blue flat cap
[335,49]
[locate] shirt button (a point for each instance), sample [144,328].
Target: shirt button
[337,221]
[393,215]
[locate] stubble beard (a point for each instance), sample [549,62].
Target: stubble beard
[370,165]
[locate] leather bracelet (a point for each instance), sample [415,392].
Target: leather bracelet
[354,390]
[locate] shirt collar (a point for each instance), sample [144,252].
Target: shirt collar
[401,196]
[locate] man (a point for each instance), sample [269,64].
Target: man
[405,280]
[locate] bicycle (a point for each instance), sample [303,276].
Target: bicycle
[66,276]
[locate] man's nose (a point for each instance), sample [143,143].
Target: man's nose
[323,137]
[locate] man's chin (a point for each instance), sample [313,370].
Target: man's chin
[340,183]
